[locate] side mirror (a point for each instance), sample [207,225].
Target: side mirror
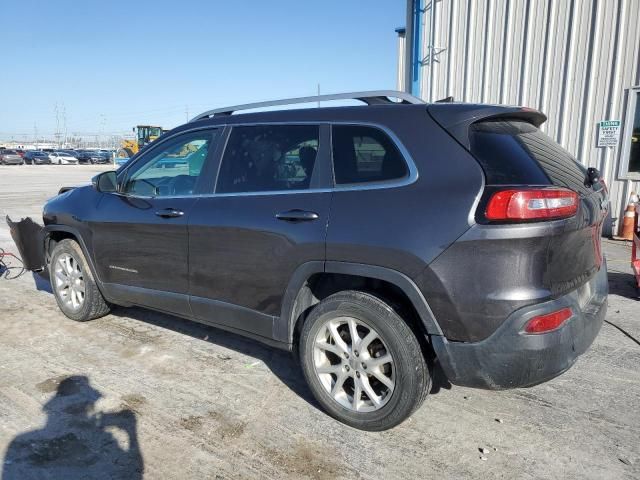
[105,182]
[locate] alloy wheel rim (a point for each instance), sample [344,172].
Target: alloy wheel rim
[354,365]
[69,282]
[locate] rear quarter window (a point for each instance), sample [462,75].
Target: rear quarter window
[363,154]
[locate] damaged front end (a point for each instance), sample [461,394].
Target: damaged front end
[29,238]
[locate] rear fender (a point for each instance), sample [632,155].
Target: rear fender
[284,328]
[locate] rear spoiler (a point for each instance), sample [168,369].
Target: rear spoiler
[457,118]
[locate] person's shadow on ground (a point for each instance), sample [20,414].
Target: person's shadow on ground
[76,441]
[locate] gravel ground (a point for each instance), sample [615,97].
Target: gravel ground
[139,394]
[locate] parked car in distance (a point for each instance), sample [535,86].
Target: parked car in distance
[10,157]
[73,153]
[60,157]
[107,153]
[89,157]
[36,157]
[107,156]
[375,242]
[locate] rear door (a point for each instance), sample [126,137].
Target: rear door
[140,233]
[268,215]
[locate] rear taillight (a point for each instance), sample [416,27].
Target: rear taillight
[548,322]
[532,204]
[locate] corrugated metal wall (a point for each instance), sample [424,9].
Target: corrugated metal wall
[572,59]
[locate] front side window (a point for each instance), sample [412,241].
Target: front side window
[269,158]
[173,168]
[365,154]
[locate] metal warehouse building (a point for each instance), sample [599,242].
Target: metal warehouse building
[578,61]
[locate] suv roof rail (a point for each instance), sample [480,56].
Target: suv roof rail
[373,97]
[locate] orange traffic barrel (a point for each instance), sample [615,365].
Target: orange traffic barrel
[626,229]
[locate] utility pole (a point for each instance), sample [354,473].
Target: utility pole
[186,112]
[318,95]
[103,122]
[57,133]
[64,122]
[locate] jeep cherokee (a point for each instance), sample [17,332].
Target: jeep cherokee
[374,241]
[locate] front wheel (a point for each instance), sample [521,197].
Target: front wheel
[362,362]
[73,284]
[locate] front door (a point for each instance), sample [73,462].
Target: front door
[140,233]
[268,216]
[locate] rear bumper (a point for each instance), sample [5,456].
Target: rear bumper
[509,358]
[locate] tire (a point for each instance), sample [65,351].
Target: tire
[406,377]
[92,304]
[124,153]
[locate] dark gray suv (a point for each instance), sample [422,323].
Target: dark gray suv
[377,242]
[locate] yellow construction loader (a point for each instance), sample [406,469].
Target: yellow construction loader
[145,134]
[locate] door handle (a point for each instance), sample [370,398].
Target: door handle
[297,216]
[169,213]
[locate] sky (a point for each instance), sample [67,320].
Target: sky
[111,64]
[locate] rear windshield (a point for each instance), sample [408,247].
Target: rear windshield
[516,152]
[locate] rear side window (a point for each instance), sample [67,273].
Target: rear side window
[269,158]
[516,152]
[365,154]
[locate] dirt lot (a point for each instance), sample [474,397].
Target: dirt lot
[140,394]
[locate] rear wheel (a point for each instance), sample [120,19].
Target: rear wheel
[73,284]
[362,362]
